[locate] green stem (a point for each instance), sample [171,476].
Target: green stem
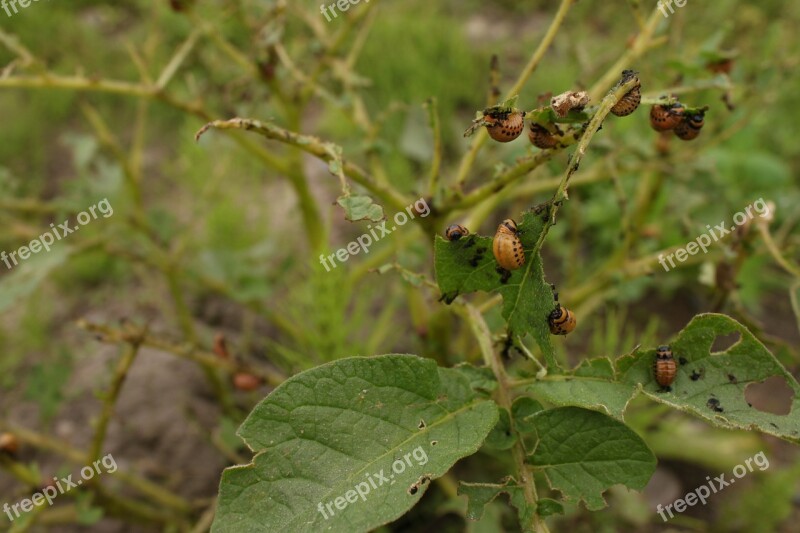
[120,373]
[469,158]
[503,395]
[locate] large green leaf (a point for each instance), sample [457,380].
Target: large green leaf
[712,385]
[468,265]
[584,452]
[368,433]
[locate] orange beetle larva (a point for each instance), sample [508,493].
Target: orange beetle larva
[561,319]
[666,117]
[505,126]
[664,367]
[455,232]
[630,102]
[507,247]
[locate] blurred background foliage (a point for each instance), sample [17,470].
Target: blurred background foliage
[209,238]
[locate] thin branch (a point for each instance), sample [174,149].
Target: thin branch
[326,151]
[480,139]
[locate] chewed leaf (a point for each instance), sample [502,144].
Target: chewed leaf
[583,453]
[351,445]
[359,207]
[481,494]
[468,265]
[711,385]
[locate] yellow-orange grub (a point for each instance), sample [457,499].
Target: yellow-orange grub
[665,117]
[507,247]
[630,102]
[561,321]
[8,443]
[505,127]
[540,137]
[664,366]
[690,127]
[455,232]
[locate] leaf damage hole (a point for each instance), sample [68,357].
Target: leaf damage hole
[434,442]
[723,342]
[772,395]
[414,488]
[421,424]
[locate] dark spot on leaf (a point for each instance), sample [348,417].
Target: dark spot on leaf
[481,250]
[504,276]
[732,379]
[470,242]
[713,404]
[421,424]
[773,424]
[696,375]
[683,361]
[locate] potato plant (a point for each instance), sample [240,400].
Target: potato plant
[423,263]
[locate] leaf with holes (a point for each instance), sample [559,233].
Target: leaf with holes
[351,445]
[468,265]
[712,385]
[584,452]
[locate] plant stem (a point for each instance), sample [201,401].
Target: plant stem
[469,158]
[593,127]
[110,401]
[481,332]
[325,151]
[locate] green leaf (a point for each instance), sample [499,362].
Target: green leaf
[360,207]
[584,452]
[501,437]
[468,265]
[591,386]
[368,433]
[480,378]
[521,411]
[716,393]
[546,507]
[481,494]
